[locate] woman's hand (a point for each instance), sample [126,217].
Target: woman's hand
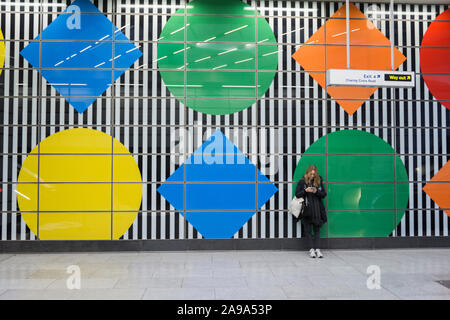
[310,189]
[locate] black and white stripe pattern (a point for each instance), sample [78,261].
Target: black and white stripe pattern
[140,112]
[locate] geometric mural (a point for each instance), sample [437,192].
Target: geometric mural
[147,110]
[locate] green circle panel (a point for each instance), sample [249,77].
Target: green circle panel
[362,195]
[228,61]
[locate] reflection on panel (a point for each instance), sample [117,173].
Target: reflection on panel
[438,188]
[73,225]
[360,223]
[221,29]
[230,56]
[356,142]
[435,60]
[361,168]
[217,177]
[212,53]
[361,196]
[368,166]
[74,174]
[126,196]
[174,81]
[73,168]
[61,56]
[74,197]
[363,58]
[216,224]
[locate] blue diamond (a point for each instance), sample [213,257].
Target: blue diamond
[88,27]
[223,188]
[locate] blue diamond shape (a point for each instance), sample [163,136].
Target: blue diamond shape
[85,52]
[222,186]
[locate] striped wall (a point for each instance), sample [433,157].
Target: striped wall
[140,112]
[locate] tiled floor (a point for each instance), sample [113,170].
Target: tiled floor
[342,274]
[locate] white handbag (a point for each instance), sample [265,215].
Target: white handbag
[296,206]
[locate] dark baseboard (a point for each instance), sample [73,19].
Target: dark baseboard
[27,246]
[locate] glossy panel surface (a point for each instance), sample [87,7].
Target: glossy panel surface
[47,52]
[312,57]
[212,54]
[361,196]
[435,60]
[218,225]
[438,188]
[356,223]
[361,179]
[2,52]
[78,183]
[215,178]
[361,168]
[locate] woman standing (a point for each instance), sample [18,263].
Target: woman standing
[310,187]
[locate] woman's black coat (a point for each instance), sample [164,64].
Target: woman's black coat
[321,193]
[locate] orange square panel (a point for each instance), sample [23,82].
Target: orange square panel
[438,189]
[367,56]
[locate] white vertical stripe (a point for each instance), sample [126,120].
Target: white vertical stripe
[256,136]
[154,104]
[6,112]
[271,116]
[411,106]
[35,103]
[289,85]
[419,142]
[136,103]
[298,103]
[427,159]
[281,104]
[172,165]
[145,104]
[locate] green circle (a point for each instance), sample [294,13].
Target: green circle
[226,41]
[362,195]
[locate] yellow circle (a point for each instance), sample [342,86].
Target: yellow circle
[75,194]
[2,51]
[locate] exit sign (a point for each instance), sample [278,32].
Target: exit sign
[370,78]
